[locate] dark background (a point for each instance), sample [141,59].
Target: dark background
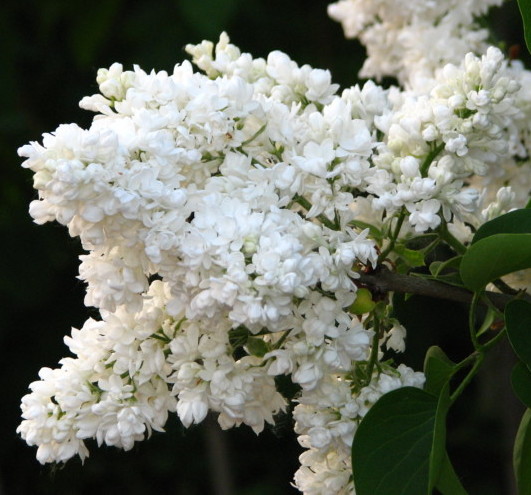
[49,54]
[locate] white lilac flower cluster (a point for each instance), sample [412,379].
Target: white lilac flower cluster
[215,211]
[326,420]
[410,40]
[461,94]
[224,216]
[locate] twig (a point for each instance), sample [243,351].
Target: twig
[383,280]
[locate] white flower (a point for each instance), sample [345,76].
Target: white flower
[423,215]
[192,406]
[396,338]
[308,375]
[317,158]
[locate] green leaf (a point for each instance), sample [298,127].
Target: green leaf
[525,11]
[522,455]
[493,257]
[438,449]
[449,483]
[521,382]
[518,325]
[238,336]
[412,257]
[514,222]
[373,231]
[437,267]
[393,444]
[438,368]
[489,319]
[401,440]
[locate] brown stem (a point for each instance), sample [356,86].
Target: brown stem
[382,280]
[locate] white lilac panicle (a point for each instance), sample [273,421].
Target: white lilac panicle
[130,370]
[114,389]
[410,40]
[182,174]
[435,142]
[414,41]
[224,214]
[233,193]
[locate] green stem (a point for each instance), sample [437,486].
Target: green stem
[492,342]
[307,206]
[466,362]
[479,297]
[374,350]
[337,220]
[430,247]
[472,320]
[429,159]
[394,237]
[447,237]
[280,341]
[479,353]
[254,136]
[302,201]
[478,357]
[160,335]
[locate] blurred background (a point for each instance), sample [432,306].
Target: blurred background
[49,54]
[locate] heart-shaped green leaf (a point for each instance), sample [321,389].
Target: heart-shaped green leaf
[449,483]
[438,449]
[521,382]
[518,324]
[514,222]
[437,267]
[393,444]
[495,256]
[438,368]
[525,10]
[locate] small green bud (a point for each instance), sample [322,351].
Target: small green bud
[256,346]
[363,303]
